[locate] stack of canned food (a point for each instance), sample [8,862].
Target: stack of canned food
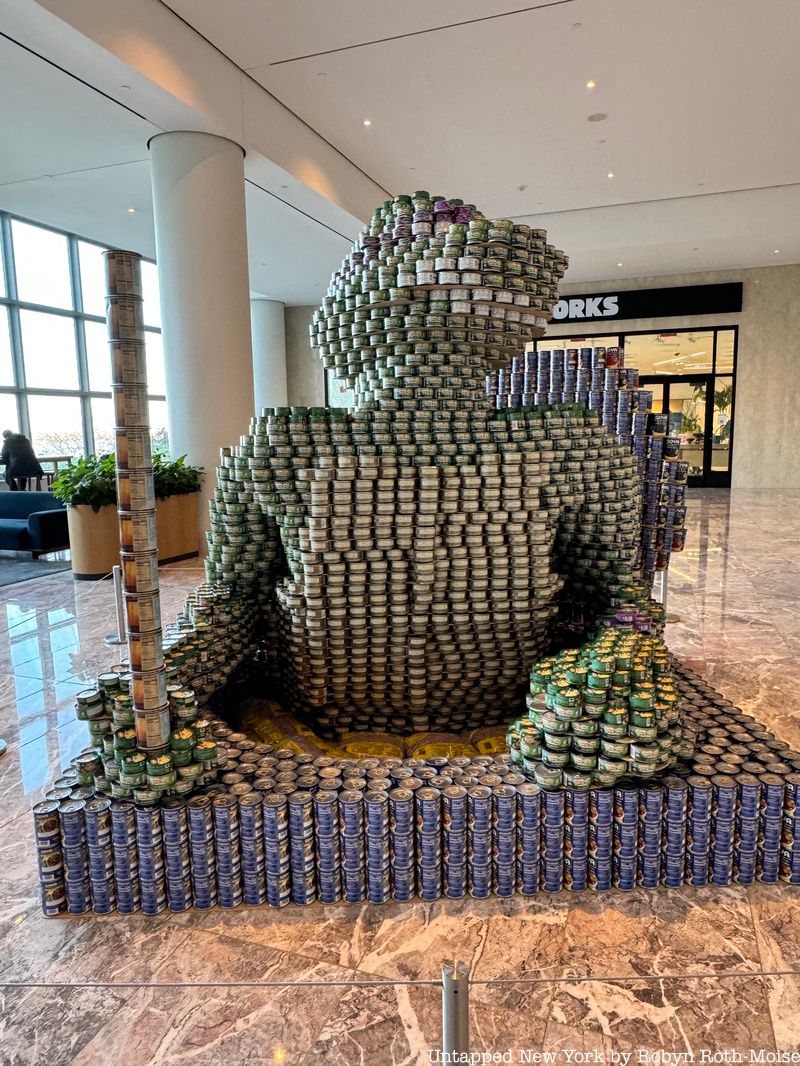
[136,498]
[282,826]
[599,712]
[598,378]
[430,293]
[424,553]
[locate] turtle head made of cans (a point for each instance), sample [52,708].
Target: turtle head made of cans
[431,296]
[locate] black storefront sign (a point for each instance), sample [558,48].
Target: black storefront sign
[679,300]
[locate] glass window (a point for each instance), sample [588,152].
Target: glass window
[152,305]
[722,424]
[41,261]
[98,358]
[725,343]
[103,426]
[671,353]
[6,363]
[93,278]
[9,416]
[48,345]
[156,385]
[56,425]
[158,425]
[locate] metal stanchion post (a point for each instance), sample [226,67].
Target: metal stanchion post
[455,1008]
[120,637]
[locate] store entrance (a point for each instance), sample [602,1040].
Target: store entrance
[700,415]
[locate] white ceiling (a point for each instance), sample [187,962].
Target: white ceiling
[701,131]
[76,160]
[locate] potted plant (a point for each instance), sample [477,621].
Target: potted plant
[88,487]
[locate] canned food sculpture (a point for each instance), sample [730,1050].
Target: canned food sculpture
[413,556]
[600,712]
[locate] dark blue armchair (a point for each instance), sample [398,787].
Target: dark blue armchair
[32,522]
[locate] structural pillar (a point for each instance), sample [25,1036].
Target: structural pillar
[269,354]
[201,251]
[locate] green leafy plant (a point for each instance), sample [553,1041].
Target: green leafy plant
[92,481]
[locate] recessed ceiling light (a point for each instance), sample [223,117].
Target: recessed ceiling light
[591,84]
[619,264]
[611,174]
[367,122]
[131,210]
[577,25]
[598,116]
[776,251]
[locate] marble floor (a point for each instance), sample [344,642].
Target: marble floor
[586,978]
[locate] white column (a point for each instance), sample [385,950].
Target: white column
[201,251]
[269,354]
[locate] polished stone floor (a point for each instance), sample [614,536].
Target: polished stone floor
[678,971]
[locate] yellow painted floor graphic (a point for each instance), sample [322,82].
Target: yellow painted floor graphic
[266,721]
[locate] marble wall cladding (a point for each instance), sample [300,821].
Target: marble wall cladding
[305,375]
[678,970]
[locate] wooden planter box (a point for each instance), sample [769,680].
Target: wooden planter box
[94,535]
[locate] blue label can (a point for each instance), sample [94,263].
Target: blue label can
[479,847]
[744,867]
[528,847]
[504,878]
[479,808]
[454,808]
[401,811]
[651,803]
[649,871]
[377,852]
[479,879]
[528,878]
[601,840]
[576,873]
[626,840]
[624,872]
[749,795]
[769,835]
[455,880]
[429,881]
[554,808]
[504,808]
[428,811]
[676,799]
[773,795]
[626,804]
[552,873]
[454,848]
[698,835]
[529,799]
[724,796]
[504,846]
[329,886]
[601,806]
[403,882]
[649,838]
[576,807]
[377,813]
[379,887]
[672,869]
[327,853]
[700,791]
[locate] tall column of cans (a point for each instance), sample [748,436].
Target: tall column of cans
[790,837]
[428,818]
[301,847]
[651,819]
[136,499]
[553,815]
[528,844]
[126,858]
[251,840]
[698,830]
[401,844]
[202,858]
[600,860]
[225,812]
[748,809]
[454,841]
[177,859]
[576,840]
[723,818]
[626,836]
[352,825]
[152,870]
[479,841]
[97,822]
[769,836]
[75,856]
[379,878]
[327,844]
[275,813]
[504,840]
[676,813]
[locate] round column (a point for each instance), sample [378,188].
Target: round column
[269,354]
[201,250]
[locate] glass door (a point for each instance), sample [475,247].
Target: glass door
[700,414]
